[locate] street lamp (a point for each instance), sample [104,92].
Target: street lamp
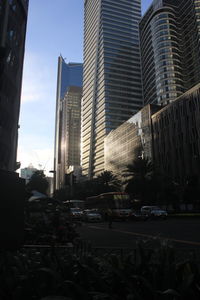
[54,179]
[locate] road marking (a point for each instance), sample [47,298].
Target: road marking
[148,235]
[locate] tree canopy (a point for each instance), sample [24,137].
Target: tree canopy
[38,182]
[138,176]
[109,181]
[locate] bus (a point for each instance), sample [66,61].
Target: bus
[118,202]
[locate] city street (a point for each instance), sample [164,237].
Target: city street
[181,233]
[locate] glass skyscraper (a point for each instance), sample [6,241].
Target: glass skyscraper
[13,19]
[70,74]
[112,90]
[70,139]
[170,49]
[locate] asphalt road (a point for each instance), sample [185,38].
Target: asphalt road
[179,232]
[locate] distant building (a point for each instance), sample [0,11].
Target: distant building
[26,173]
[112,89]
[13,19]
[130,140]
[70,74]
[176,137]
[70,138]
[170,49]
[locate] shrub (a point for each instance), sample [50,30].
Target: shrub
[144,273]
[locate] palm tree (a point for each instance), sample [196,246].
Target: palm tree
[138,177]
[141,168]
[109,181]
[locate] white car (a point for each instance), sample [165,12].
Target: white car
[153,211]
[92,215]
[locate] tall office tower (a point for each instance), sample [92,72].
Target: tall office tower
[70,74]
[170,49]
[13,19]
[70,139]
[112,90]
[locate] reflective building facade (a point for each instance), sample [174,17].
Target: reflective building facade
[130,140]
[169,136]
[170,49]
[70,139]
[13,19]
[70,74]
[112,90]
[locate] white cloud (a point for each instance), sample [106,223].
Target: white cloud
[38,76]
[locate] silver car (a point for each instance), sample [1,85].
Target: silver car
[154,211]
[92,215]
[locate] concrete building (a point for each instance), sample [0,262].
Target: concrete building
[169,136]
[70,74]
[176,137]
[26,173]
[170,49]
[13,19]
[130,140]
[112,90]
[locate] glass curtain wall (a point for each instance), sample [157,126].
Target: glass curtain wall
[112,90]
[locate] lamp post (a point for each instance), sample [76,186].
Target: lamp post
[54,180]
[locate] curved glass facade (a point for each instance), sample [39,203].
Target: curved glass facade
[112,89]
[169,36]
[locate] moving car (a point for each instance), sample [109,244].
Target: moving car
[154,212]
[92,215]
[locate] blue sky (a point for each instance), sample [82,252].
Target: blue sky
[54,28]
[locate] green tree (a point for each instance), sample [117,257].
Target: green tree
[38,182]
[109,181]
[138,178]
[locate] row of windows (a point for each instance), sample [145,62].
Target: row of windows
[121,62]
[126,6]
[120,42]
[117,68]
[117,101]
[134,13]
[136,76]
[121,37]
[121,51]
[121,34]
[119,25]
[123,88]
[132,96]
[118,20]
[123,78]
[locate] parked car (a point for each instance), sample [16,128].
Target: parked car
[76,213]
[138,216]
[92,215]
[154,212]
